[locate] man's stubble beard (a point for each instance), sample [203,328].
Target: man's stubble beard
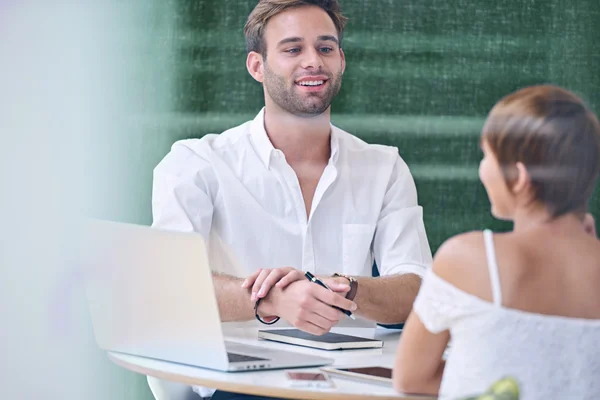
[291,101]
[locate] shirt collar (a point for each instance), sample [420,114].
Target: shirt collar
[335,145]
[264,147]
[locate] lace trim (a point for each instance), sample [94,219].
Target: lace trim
[439,304]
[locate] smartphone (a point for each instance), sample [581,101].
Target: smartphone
[309,379]
[381,375]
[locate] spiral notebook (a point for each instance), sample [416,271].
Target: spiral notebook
[328,341]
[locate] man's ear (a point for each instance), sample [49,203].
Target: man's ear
[343,60]
[255,66]
[522,181]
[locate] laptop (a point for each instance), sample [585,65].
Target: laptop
[150,294]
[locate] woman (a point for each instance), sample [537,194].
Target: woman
[524,303]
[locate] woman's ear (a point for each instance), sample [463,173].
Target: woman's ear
[589,225]
[522,180]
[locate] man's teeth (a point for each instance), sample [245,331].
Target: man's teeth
[311,83]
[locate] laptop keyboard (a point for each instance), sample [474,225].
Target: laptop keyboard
[234,357]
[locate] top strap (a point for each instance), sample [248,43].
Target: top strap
[492,267]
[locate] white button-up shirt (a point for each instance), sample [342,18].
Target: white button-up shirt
[239,192]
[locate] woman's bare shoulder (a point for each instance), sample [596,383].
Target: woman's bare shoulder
[457,255]
[462,262]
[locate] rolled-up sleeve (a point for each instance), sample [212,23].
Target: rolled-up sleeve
[400,244]
[181,192]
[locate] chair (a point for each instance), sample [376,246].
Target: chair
[166,390]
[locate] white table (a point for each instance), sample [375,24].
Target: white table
[273,382]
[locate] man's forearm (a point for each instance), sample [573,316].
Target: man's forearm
[387,299]
[233,300]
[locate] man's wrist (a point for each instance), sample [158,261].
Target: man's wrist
[261,314]
[340,279]
[264,310]
[267,306]
[352,282]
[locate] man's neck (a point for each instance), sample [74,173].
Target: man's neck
[301,139]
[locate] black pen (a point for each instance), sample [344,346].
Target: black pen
[319,282]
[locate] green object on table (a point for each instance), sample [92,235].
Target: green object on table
[506,388]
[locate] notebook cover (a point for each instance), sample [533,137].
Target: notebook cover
[329,337]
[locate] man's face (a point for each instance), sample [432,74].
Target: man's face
[302,72]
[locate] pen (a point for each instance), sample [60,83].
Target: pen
[319,282]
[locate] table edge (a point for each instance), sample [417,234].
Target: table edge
[288,393]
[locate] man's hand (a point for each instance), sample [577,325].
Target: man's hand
[264,279]
[590,225]
[306,306]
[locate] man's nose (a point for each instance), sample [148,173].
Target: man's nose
[312,59]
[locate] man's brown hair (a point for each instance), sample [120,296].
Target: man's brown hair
[266,9]
[554,134]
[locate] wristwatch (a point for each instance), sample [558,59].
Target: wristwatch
[353,285]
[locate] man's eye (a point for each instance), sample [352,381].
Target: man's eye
[294,50]
[326,49]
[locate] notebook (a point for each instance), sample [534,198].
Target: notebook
[328,341]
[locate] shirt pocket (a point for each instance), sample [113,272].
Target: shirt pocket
[356,249]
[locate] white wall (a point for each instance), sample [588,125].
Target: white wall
[74,76]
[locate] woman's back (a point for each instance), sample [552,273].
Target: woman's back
[535,314]
[550,271]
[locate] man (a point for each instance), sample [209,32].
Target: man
[289,192]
